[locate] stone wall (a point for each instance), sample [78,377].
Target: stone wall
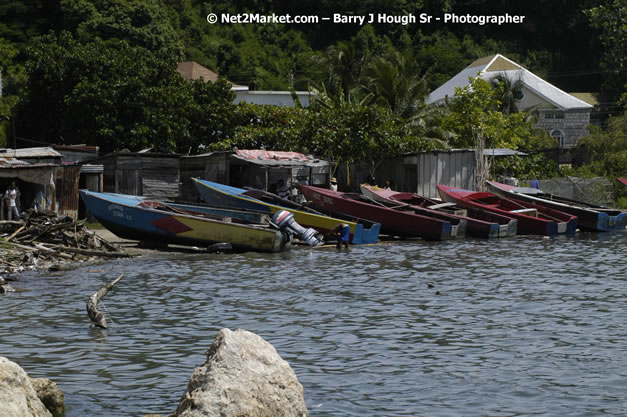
[573,125]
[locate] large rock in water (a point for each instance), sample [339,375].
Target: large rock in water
[243,376]
[17,395]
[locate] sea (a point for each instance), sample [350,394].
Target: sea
[522,326]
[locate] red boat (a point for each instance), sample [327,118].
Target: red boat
[479,223]
[532,218]
[393,222]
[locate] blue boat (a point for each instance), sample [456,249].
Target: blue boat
[138,218]
[216,194]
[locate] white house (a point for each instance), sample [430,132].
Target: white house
[191,70]
[562,115]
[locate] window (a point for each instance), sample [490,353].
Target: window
[554,115]
[519,95]
[559,135]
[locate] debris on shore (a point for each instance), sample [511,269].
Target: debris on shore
[43,240]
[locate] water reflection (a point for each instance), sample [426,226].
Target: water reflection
[517,326]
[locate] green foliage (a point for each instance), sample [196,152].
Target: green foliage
[606,150]
[475,111]
[526,167]
[118,97]
[538,140]
[610,18]
[268,127]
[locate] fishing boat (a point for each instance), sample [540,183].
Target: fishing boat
[134,218]
[393,222]
[532,218]
[590,217]
[216,194]
[479,223]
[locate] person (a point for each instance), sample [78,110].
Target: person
[296,196]
[343,232]
[388,185]
[333,185]
[282,190]
[13,195]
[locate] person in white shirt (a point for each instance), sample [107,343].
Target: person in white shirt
[333,184]
[13,195]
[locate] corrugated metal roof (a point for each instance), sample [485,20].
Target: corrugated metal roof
[11,162]
[43,152]
[491,67]
[502,152]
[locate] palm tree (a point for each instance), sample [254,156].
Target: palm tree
[395,82]
[511,92]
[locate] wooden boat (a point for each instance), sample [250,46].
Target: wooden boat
[589,217]
[532,218]
[216,194]
[479,223]
[134,218]
[393,222]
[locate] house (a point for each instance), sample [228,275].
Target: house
[191,70]
[562,115]
[257,168]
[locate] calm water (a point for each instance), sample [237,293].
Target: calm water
[522,326]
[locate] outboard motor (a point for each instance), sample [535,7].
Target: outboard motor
[284,220]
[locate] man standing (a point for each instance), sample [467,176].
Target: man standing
[13,195]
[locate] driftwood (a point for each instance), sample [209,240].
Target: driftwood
[89,252]
[51,239]
[92,303]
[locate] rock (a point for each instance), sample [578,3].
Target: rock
[50,395]
[17,395]
[243,376]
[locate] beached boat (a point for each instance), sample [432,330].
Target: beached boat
[590,217]
[134,218]
[479,223]
[393,222]
[216,194]
[532,218]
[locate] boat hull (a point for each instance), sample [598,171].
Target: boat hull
[548,223]
[478,223]
[394,223]
[128,219]
[226,196]
[590,218]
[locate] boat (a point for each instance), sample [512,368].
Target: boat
[216,194]
[138,218]
[532,218]
[479,223]
[393,222]
[590,218]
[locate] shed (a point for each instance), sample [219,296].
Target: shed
[421,172]
[256,168]
[151,174]
[43,185]
[72,154]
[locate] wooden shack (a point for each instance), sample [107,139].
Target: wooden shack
[151,174]
[43,182]
[252,168]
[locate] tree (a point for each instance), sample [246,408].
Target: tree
[396,83]
[114,97]
[610,18]
[474,111]
[510,92]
